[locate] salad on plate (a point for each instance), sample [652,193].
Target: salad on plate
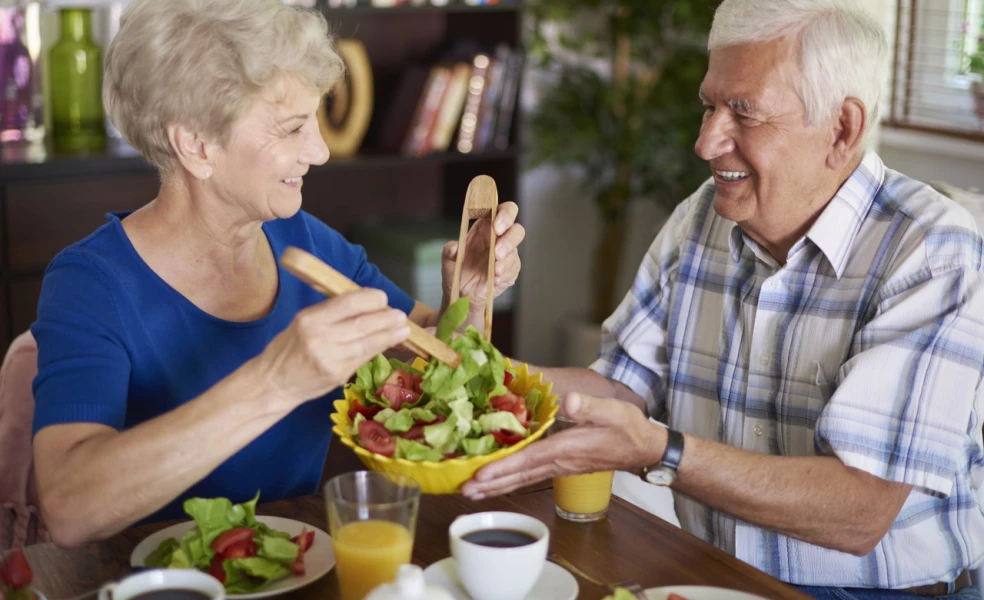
[231,545]
[441,412]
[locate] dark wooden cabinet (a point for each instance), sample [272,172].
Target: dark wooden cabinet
[49,202]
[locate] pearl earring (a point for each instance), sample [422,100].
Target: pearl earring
[208,173]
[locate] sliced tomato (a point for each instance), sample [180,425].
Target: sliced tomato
[417,380]
[376,438]
[360,408]
[304,539]
[297,567]
[508,379]
[416,433]
[243,549]
[506,438]
[215,569]
[454,455]
[232,537]
[400,378]
[397,396]
[514,403]
[15,572]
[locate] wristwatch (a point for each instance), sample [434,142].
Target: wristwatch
[665,471]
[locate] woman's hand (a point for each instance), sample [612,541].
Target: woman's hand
[474,270]
[327,342]
[611,435]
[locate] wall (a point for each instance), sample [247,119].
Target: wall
[562,226]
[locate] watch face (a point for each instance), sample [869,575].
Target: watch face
[661,476]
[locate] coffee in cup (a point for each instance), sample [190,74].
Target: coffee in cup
[498,555]
[164,584]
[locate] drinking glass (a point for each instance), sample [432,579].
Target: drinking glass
[372,518]
[581,498]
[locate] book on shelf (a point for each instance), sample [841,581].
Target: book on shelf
[464,105]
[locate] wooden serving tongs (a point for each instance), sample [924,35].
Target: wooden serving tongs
[313,271]
[481,200]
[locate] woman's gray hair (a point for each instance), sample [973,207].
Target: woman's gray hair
[842,49]
[202,63]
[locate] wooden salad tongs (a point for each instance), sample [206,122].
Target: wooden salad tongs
[481,200]
[313,271]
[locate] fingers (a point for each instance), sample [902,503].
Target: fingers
[505,216]
[346,306]
[605,412]
[496,487]
[450,251]
[370,345]
[509,241]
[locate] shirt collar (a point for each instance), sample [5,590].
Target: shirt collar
[837,226]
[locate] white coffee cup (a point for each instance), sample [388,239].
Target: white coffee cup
[495,573]
[159,580]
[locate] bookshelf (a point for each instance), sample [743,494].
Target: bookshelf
[48,202]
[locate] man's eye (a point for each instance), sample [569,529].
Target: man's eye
[298,130]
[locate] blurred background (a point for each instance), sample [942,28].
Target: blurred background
[584,111]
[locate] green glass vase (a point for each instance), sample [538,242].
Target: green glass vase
[75,65]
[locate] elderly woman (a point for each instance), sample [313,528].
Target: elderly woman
[176,359]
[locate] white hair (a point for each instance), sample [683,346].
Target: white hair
[842,49]
[203,62]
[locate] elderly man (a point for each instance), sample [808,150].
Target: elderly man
[810,325]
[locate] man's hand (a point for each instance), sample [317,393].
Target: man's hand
[611,435]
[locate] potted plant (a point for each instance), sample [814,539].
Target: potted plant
[620,103]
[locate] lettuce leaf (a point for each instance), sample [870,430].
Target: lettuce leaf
[422,414]
[501,420]
[277,549]
[444,437]
[533,399]
[483,445]
[161,557]
[412,450]
[239,572]
[452,319]
[399,421]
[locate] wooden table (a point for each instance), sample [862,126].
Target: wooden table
[629,544]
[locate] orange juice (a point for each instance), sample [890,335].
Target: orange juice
[368,553]
[583,494]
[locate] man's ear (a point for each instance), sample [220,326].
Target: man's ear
[849,126]
[192,151]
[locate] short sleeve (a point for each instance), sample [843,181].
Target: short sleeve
[83,366]
[903,408]
[350,259]
[634,338]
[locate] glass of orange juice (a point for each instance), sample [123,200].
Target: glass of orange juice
[581,498]
[372,518]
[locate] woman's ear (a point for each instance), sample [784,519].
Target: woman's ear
[192,151]
[848,133]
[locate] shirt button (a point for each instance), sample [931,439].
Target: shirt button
[775,284]
[764,360]
[758,430]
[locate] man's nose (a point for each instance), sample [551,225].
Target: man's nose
[715,138]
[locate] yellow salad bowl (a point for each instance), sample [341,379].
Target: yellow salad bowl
[447,476]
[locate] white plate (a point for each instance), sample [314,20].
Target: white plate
[699,592]
[555,583]
[318,559]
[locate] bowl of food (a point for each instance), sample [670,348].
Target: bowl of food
[437,424]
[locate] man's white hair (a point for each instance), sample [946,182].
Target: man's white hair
[842,49]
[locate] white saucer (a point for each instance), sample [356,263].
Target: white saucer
[555,583]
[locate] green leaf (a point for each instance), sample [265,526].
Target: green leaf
[381,370]
[277,549]
[416,451]
[453,318]
[399,364]
[483,445]
[161,557]
[263,572]
[399,422]
[533,399]
[422,414]
[444,437]
[501,420]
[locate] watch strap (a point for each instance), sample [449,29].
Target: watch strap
[674,450]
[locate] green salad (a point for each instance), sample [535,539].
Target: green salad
[442,412]
[232,546]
